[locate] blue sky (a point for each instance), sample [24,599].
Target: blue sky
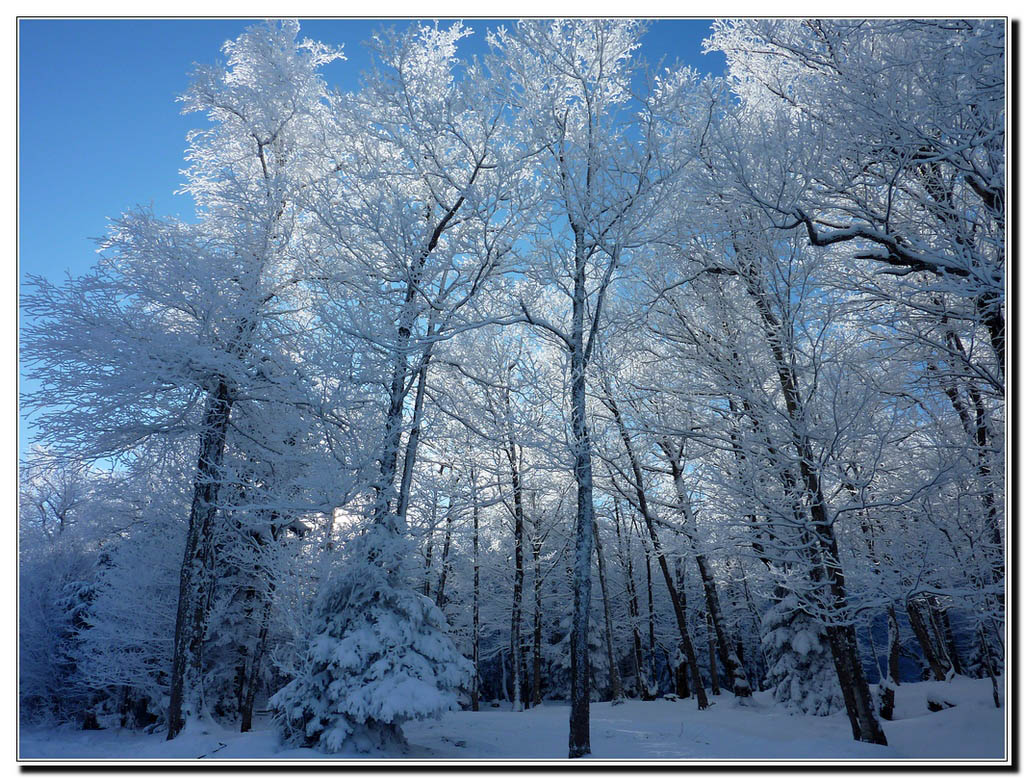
[99,130]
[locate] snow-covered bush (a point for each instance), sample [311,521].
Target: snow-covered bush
[65,510]
[55,588]
[126,649]
[379,656]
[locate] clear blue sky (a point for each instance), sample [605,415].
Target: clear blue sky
[99,130]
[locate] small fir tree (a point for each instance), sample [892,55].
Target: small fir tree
[379,656]
[800,662]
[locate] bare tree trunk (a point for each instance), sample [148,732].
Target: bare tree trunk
[639,673]
[412,444]
[842,637]
[388,462]
[579,715]
[937,629]
[892,673]
[733,667]
[990,666]
[758,663]
[241,675]
[535,694]
[385,501]
[523,676]
[682,685]
[730,661]
[196,580]
[440,600]
[922,625]
[727,653]
[253,676]
[947,635]
[512,454]
[616,684]
[712,665]
[645,511]
[504,678]
[976,429]
[429,561]
[651,657]
[475,694]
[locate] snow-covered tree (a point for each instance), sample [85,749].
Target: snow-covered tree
[379,655]
[570,82]
[419,214]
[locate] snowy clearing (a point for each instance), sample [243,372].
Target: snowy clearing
[662,729]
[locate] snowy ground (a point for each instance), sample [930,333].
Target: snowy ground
[973,729]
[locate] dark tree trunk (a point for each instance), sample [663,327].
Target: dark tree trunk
[609,643]
[948,637]
[921,623]
[634,608]
[475,693]
[651,657]
[712,665]
[412,444]
[385,503]
[241,674]
[842,638]
[937,630]
[682,685]
[197,565]
[579,715]
[990,308]
[990,665]
[734,669]
[504,677]
[730,661]
[892,672]
[428,561]
[535,694]
[512,454]
[645,511]
[757,662]
[388,462]
[974,420]
[639,662]
[253,676]
[854,686]
[440,599]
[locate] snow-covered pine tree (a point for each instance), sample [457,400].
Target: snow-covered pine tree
[380,655]
[800,663]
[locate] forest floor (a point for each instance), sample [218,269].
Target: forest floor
[662,729]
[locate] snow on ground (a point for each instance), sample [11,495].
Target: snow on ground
[663,729]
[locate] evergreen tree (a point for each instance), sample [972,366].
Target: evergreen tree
[379,656]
